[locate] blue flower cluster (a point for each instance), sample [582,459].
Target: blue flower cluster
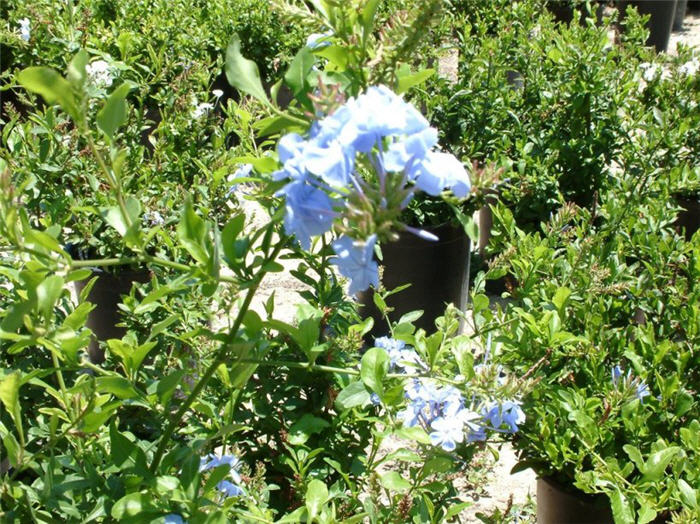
[442,410]
[377,133]
[401,357]
[640,387]
[226,487]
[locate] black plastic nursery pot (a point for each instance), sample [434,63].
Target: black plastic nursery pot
[681,6]
[563,10]
[688,219]
[106,295]
[661,14]
[437,271]
[557,504]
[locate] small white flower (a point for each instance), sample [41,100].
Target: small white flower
[99,73]
[218,93]
[649,71]
[690,68]
[153,218]
[24,31]
[202,109]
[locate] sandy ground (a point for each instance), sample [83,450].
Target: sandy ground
[502,488]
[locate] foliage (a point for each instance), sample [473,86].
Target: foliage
[604,317]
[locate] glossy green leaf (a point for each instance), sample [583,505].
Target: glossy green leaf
[657,463]
[353,395]
[296,75]
[191,232]
[113,114]
[316,497]
[117,386]
[51,86]
[76,68]
[373,369]
[9,395]
[393,481]
[242,73]
[406,79]
[688,494]
[47,293]
[307,425]
[621,508]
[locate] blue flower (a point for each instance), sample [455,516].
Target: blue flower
[331,163]
[308,212]
[24,29]
[400,356]
[318,40]
[289,146]
[374,399]
[438,171]
[508,413]
[355,260]
[376,114]
[616,373]
[400,155]
[211,461]
[642,391]
[229,489]
[390,344]
[447,432]
[173,519]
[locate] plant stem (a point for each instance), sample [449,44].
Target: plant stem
[123,261]
[219,357]
[113,181]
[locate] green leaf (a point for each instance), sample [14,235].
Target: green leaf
[635,456]
[688,496]
[115,218]
[229,235]
[621,508]
[560,298]
[96,419]
[353,395]
[117,386]
[47,293]
[76,68]
[296,75]
[132,505]
[49,84]
[646,514]
[78,316]
[121,448]
[337,55]
[406,80]
[242,73]
[316,497]
[392,481]
[113,114]
[166,386]
[657,463]
[374,367]
[191,232]
[306,426]
[9,395]
[131,355]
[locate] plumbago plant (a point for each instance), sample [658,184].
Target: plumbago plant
[604,317]
[258,420]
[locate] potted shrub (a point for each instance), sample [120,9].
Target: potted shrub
[613,399]
[661,14]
